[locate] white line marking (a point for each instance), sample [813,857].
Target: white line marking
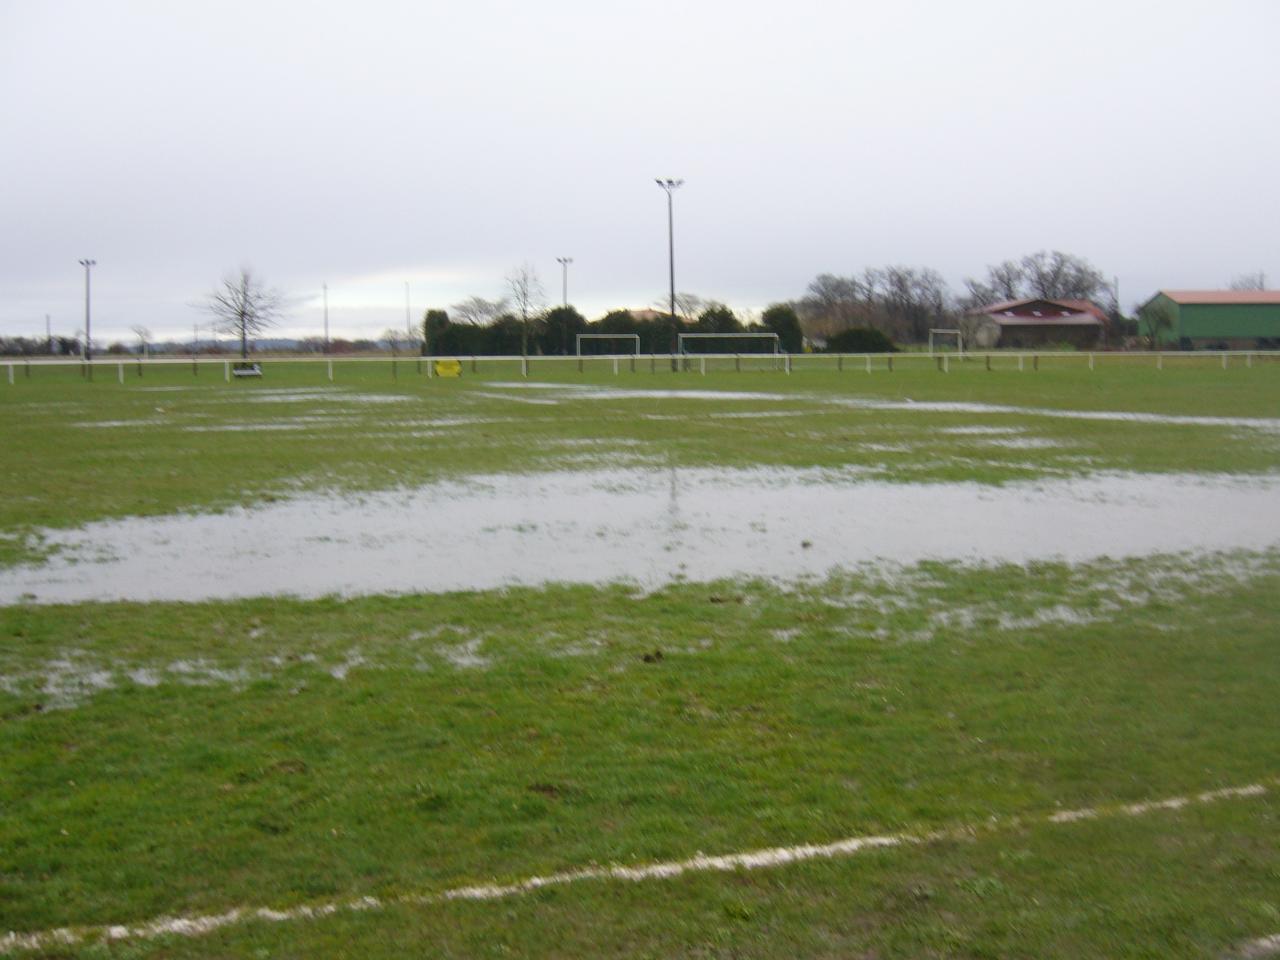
[750,860]
[1260,948]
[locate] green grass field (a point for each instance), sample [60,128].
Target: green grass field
[163,760]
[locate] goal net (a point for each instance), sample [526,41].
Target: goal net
[945,340]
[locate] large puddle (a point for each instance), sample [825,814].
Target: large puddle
[557,393]
[648,526]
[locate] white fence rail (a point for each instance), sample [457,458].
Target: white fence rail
[22,367]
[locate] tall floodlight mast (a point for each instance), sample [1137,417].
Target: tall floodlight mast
[670,186]
[88,338]
[564,278]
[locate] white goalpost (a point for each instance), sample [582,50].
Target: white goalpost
[634,339]
[682,340]
[940,332]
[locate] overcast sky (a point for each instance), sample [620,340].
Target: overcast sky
[365,145]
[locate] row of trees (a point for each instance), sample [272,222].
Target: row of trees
[872,310]
[904,303]
[520,323]
[492,328]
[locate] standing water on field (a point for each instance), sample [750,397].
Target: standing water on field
[648,526]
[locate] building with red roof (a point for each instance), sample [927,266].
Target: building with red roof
[1039,322]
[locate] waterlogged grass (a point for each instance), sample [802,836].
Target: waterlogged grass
[170,759]
[175,758]
[1185,884]
[170,441]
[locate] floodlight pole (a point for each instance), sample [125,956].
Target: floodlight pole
[88,337]
[670,186]
[564,269]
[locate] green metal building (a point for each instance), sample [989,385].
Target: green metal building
[1219,319]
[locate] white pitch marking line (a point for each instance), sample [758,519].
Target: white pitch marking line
[1258,949]
[749,860]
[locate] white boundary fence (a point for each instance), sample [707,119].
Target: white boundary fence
[17,368]
[682,337]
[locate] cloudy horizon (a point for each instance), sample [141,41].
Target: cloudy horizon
[363,148]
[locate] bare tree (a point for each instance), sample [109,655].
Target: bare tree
[1050,274]
[1155,318]
[832,304]
[901,302]
[242,307]
[478,311]
[688,305]
[413,341]
[1004,282]
[144,337]
[1249,281]
[528,297]
[394,338]
[1057,275]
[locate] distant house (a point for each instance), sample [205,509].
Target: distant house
[647,315]
[1230,319]
[1038,322]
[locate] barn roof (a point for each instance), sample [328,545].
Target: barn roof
[1068,320]
[1073,307]
[1223,296]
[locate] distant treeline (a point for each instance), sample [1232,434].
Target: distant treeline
[555,332]
[854,313]
[866,312]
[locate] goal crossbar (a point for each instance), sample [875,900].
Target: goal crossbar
[947,330]
[633,337]
[681,338]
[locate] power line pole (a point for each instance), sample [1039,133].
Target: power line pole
[88,336]
[670,186]
[564,265]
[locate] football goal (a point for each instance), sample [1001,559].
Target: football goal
[728,343]
[941,337]
[631,342]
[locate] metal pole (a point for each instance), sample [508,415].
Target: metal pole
[670,186]
[326,318]
[671,250]
[88,337]
[564,284]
